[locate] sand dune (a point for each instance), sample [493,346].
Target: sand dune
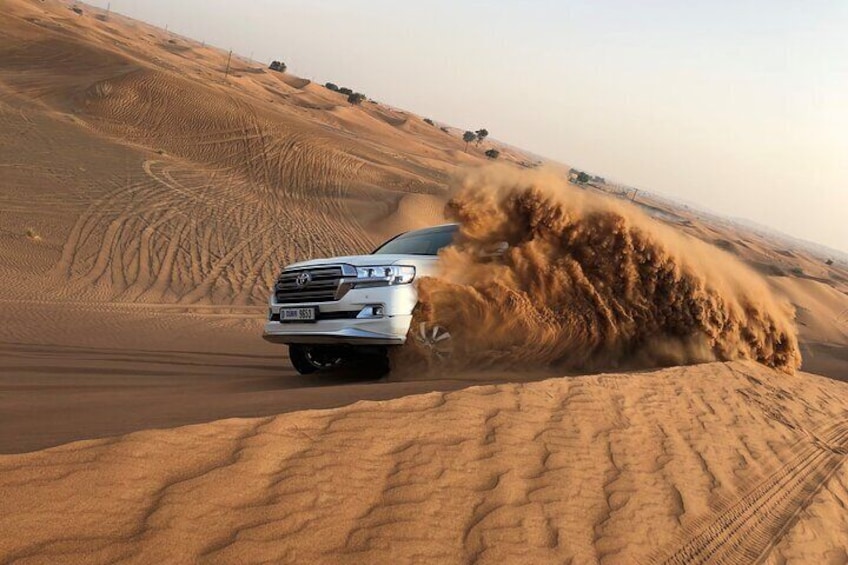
[822,310]
[159,174]
[147,202]
[690,465]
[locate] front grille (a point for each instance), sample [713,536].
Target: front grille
[322,286]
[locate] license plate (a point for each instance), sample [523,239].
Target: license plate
[297,314]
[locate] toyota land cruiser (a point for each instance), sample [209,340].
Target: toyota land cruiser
[332,310]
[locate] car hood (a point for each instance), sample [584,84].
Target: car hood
[369,261]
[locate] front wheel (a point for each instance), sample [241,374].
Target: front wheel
[309,359]
[433,341]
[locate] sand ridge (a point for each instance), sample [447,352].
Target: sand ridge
[591,469]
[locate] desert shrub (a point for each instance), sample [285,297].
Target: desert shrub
[444,129]
[493,153]
[331,86]
[356,98]
[797,271]
[829,262]
[278,66]
[32,234]
[481,135]
[582,177]
[429,121]
[345,90]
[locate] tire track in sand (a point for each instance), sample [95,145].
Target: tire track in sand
[226,206]
[747,530]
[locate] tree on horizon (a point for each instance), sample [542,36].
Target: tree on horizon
[468,137]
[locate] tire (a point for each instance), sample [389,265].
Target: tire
[297,356]
[309,359]
[433,342]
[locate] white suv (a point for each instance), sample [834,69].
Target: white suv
[333,310]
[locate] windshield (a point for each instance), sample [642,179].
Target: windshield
[419,242]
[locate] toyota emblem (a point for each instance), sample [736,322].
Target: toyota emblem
[303,279]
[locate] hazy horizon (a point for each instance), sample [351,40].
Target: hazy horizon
[736,107]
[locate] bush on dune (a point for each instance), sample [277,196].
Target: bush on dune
[356,98]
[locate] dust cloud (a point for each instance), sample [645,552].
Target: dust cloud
[591,283]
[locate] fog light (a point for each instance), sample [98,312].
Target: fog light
[375,311]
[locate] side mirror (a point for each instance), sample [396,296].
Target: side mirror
[495,250]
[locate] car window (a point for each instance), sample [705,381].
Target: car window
[421,242]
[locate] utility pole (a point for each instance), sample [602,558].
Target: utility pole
[227,72]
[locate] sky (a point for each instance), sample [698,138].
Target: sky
[740,107]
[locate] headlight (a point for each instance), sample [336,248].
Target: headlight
[384,275]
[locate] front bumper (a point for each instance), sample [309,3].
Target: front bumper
[385,331]
[391,329]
